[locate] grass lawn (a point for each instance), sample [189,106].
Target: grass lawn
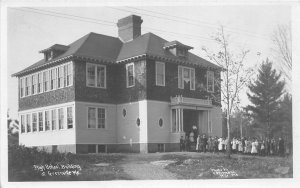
[213,166]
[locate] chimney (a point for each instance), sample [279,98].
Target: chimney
[129,28]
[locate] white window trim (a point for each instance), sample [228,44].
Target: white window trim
[213,81]
[96,113]
[96,76]
[127,81]
[164,73]
[182,80]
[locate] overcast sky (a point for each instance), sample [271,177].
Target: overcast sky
[35,28]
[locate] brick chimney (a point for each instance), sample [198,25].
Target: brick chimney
[129,27]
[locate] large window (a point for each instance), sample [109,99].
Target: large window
[47,120]
[70,117]
[40,83]
[22,124]
[53,79]
[46,80]
[27,85]
[53,119]
[186,77]
[160,73]
[34,122]
[28,125]
[210,81]
[34,84]
[96,75]
[96,118]
[41,123]
[130,75]
[61,118]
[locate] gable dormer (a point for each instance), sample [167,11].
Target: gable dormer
[178,49]
[54,51]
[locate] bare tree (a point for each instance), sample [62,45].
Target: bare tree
[233,77]
[283,48]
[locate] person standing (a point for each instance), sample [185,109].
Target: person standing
[262,148]
[182,144]
[210,144]
[204,143]
[281,147]
[198,143]
[220,145]
[254,147]
[216,144]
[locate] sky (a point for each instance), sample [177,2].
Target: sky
[32,29]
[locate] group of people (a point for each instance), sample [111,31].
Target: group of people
[254,146]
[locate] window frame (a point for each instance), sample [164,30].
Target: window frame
[54,120]
[181,77]
[157,64]
[133,75]
[47,120]
[23,123]
[38,117]
[72,116]
[59,117]
[95,66]
[36,121]
[96,117]
[22,87]
[34,84]
[213,81]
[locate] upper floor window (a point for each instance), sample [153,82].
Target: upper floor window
[22,87]
[130,75]
[160,73]
[96,75]
[60,77]
[96,117]
[69,74]
[186,76]
[40,83]
[53,79]
[27,85]
[210,81]
[46,80]
[34,84]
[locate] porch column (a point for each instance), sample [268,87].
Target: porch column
[177,119]
[181,120]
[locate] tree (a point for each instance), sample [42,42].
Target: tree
[12,130]
[285,117]
[283,48]
[265,95]
[234,75]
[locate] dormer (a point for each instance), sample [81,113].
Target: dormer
[54,51]
[178,49]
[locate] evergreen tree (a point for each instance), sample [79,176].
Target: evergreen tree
[265,95]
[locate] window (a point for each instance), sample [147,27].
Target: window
[210,81]
[69,74]
[41,125]
[53,119]
[22,124]
[96,116]
[60,118]
[160,122]
[130,75]
[101,118]
[28,123]
[22,88]
[27,85]
[60,77]
[34,84]
[47,120]
[91,117]
[101,76]
[70,117]
[101,148]
[124,112]
[34,122]
[96,75]
[46,80]
[40,81]
[186,75]
[160,147]
[91,75]
[92,148]
[160,73]
[53,79]
[138,122]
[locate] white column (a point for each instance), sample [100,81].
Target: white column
[181,117]
[176,120]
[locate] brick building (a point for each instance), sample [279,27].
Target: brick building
[131,93]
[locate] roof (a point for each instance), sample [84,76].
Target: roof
[55,47]
[111,49]
[175,43]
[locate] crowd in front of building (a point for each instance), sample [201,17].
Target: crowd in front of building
[250,146]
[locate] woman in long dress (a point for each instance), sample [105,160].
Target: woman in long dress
[198,144]
[220,147]
[254,147]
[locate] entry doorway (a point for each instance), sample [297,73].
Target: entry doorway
[190,119]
